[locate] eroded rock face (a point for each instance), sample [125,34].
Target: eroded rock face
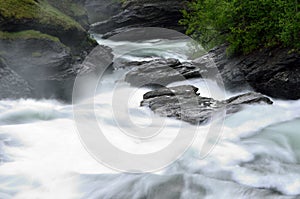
[44,54]
[160,72]
[40,62]
[184,103]
[12,85]
[46,67]
[100,10]
[274,72]
[143,13]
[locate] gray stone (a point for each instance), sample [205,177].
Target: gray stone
[184,103]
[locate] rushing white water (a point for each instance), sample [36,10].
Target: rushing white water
[41,154]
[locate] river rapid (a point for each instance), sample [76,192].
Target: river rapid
[257,155]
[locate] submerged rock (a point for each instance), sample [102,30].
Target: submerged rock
[160,72]
[271,71]
[143,13]
[184,103]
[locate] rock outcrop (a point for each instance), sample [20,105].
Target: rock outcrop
[142,13]
[12,85]
[184,103]
[42,46]
[73,8]
[271,71]
[45,64]
[101,10]
[43,17]
[160,72]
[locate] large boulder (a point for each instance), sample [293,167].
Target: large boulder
[271,71]
[142,13]
[184,103]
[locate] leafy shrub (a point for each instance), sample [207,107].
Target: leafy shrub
[245,25]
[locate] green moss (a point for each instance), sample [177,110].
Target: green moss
[36,54]
[28,34]
[69,7]
[39,10]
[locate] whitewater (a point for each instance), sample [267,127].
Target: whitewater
[257,154]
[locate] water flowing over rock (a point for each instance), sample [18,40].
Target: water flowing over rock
[274,71]
[184,103]
[142,13]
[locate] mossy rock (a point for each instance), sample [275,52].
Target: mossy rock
[73,8]
[27,34]
[39,15]
[39,10]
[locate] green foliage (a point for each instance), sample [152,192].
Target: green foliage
[39,10]
[245,25]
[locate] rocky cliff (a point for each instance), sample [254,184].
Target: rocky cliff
[272,71]
[142,13]
[42,45]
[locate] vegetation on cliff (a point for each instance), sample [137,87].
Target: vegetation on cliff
[38,10]
[245,25]
[21,18]
[72,8]
[27,34]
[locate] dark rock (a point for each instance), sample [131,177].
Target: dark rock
[143,13]
[44,52]
[184,103]
[271,71]
[77,40]
[144,33]
[46,66]
[100,10]
[160,72]
[12,85]
[64,27]
[182,90]
[73,8]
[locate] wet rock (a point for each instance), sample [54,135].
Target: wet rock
[143,13]
[184,103]
[12,85]
[271,71]
[100,10]
[160,72]
[46,67]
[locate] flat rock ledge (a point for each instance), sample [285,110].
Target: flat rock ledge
[184,103]
[161,72]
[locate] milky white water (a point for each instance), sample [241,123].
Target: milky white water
[41,155]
